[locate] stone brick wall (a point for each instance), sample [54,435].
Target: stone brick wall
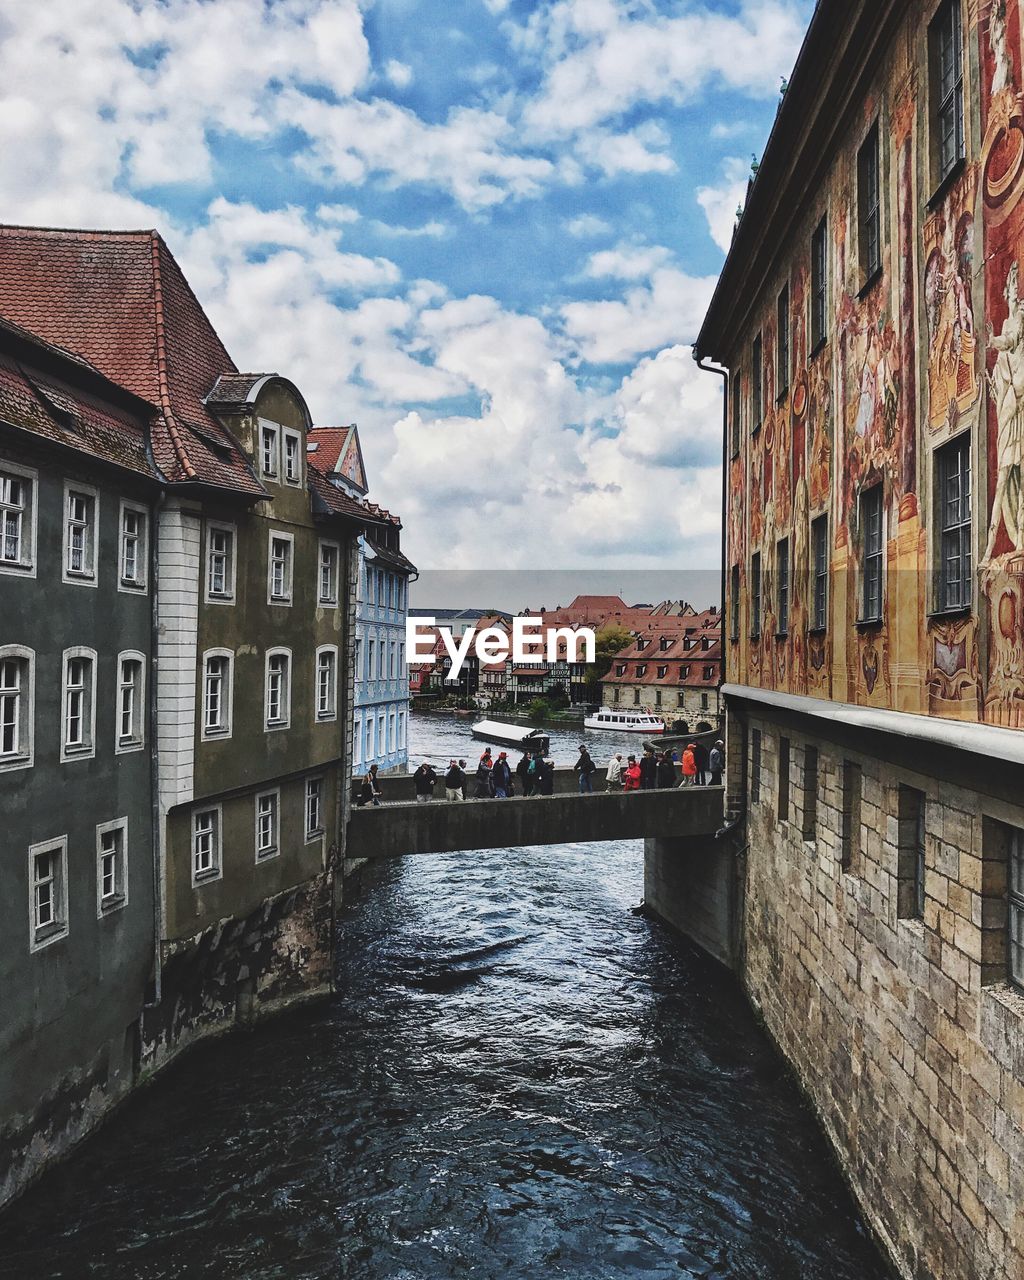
[903,1030]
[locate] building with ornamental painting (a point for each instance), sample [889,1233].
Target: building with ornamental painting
[870,319]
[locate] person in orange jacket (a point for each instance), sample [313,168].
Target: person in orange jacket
[689,767]
[631,775]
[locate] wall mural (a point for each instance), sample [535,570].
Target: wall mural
[933,348]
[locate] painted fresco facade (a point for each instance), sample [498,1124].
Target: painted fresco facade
[869,316]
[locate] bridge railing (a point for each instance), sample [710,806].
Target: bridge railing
[396,788]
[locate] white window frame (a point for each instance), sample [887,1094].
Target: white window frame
[273,850]
[26,708]
[357,738]
[227,699]
[87,750]
[210,596]
[41,936]
[317,833]
[371,657]
[279,535]
[288,433]
[323,546]
[217,867]
[286,699]
[370,731]
[107,906]
[360,674]
[138,584]
[273,429]
[89,577]
[137,741]
[25,567]
[323,715]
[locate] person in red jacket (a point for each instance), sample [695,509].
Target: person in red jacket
[689,767]
[631,775]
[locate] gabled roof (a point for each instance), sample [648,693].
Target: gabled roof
[337,451]
[118,300]
[329,500]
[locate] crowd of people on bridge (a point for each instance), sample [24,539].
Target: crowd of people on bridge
[534,774]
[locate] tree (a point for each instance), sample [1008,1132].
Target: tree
[607,643]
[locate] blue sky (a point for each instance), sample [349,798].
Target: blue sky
[485,230]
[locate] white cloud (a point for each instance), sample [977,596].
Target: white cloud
[588,225]
[433,229]
[641,150]
[399,73]
[627,262]
[721,202]
[665,311]
[602,57]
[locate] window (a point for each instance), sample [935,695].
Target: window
[736,406]
[220,562]
[910,866]
[871,552]
[657,697]
[946,89]
[328,593]
[206,825]
[953,495]
[314,807]
[359,658]
[79,709]
[849,848]
[756,384]
[268,450]
[279,585]
[704,702]
[368,756]
[1016,907]
[111,866]
[268,808]
[217,693]
[755,765]
[819,551]
[783,779]
[636,697]
[809,816]
[134,521]
[326,683]
[278,699]
[641,669]
[81,507]
[392,659]
[869,215]
[615,694]
[371,650]
[819,285]
[292,457]
[782,343]
[48,907]
[680,698]
[17,689]
[755,596]
[734,602]
[782,585]
[381,659]
[131,702]
[17,520]
[662,672]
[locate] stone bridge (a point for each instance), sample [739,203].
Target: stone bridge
[402,826]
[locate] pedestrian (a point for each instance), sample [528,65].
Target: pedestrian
[454,782]
[631,778]
[666,770]
[521,771]
[369,790]
[700,755]
[501,778]
[423,780]
[613,777]
[547,777]
[716,763]
[483,776]
[648,770]
[689,767]
[533,774]
[585,766]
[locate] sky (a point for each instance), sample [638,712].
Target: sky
[485,231]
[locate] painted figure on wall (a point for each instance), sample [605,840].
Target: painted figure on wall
[952,382]
[1006,383]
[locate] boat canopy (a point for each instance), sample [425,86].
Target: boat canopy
[510,734]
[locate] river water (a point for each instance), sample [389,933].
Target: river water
[519,1078]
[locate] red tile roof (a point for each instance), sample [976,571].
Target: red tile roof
[119,300]
[330,444]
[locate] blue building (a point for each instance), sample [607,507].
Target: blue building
[380,727]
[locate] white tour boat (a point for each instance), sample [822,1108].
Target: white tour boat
[624,721]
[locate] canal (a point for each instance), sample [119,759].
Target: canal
[519,1077]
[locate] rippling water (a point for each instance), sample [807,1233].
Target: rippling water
[519,1078]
